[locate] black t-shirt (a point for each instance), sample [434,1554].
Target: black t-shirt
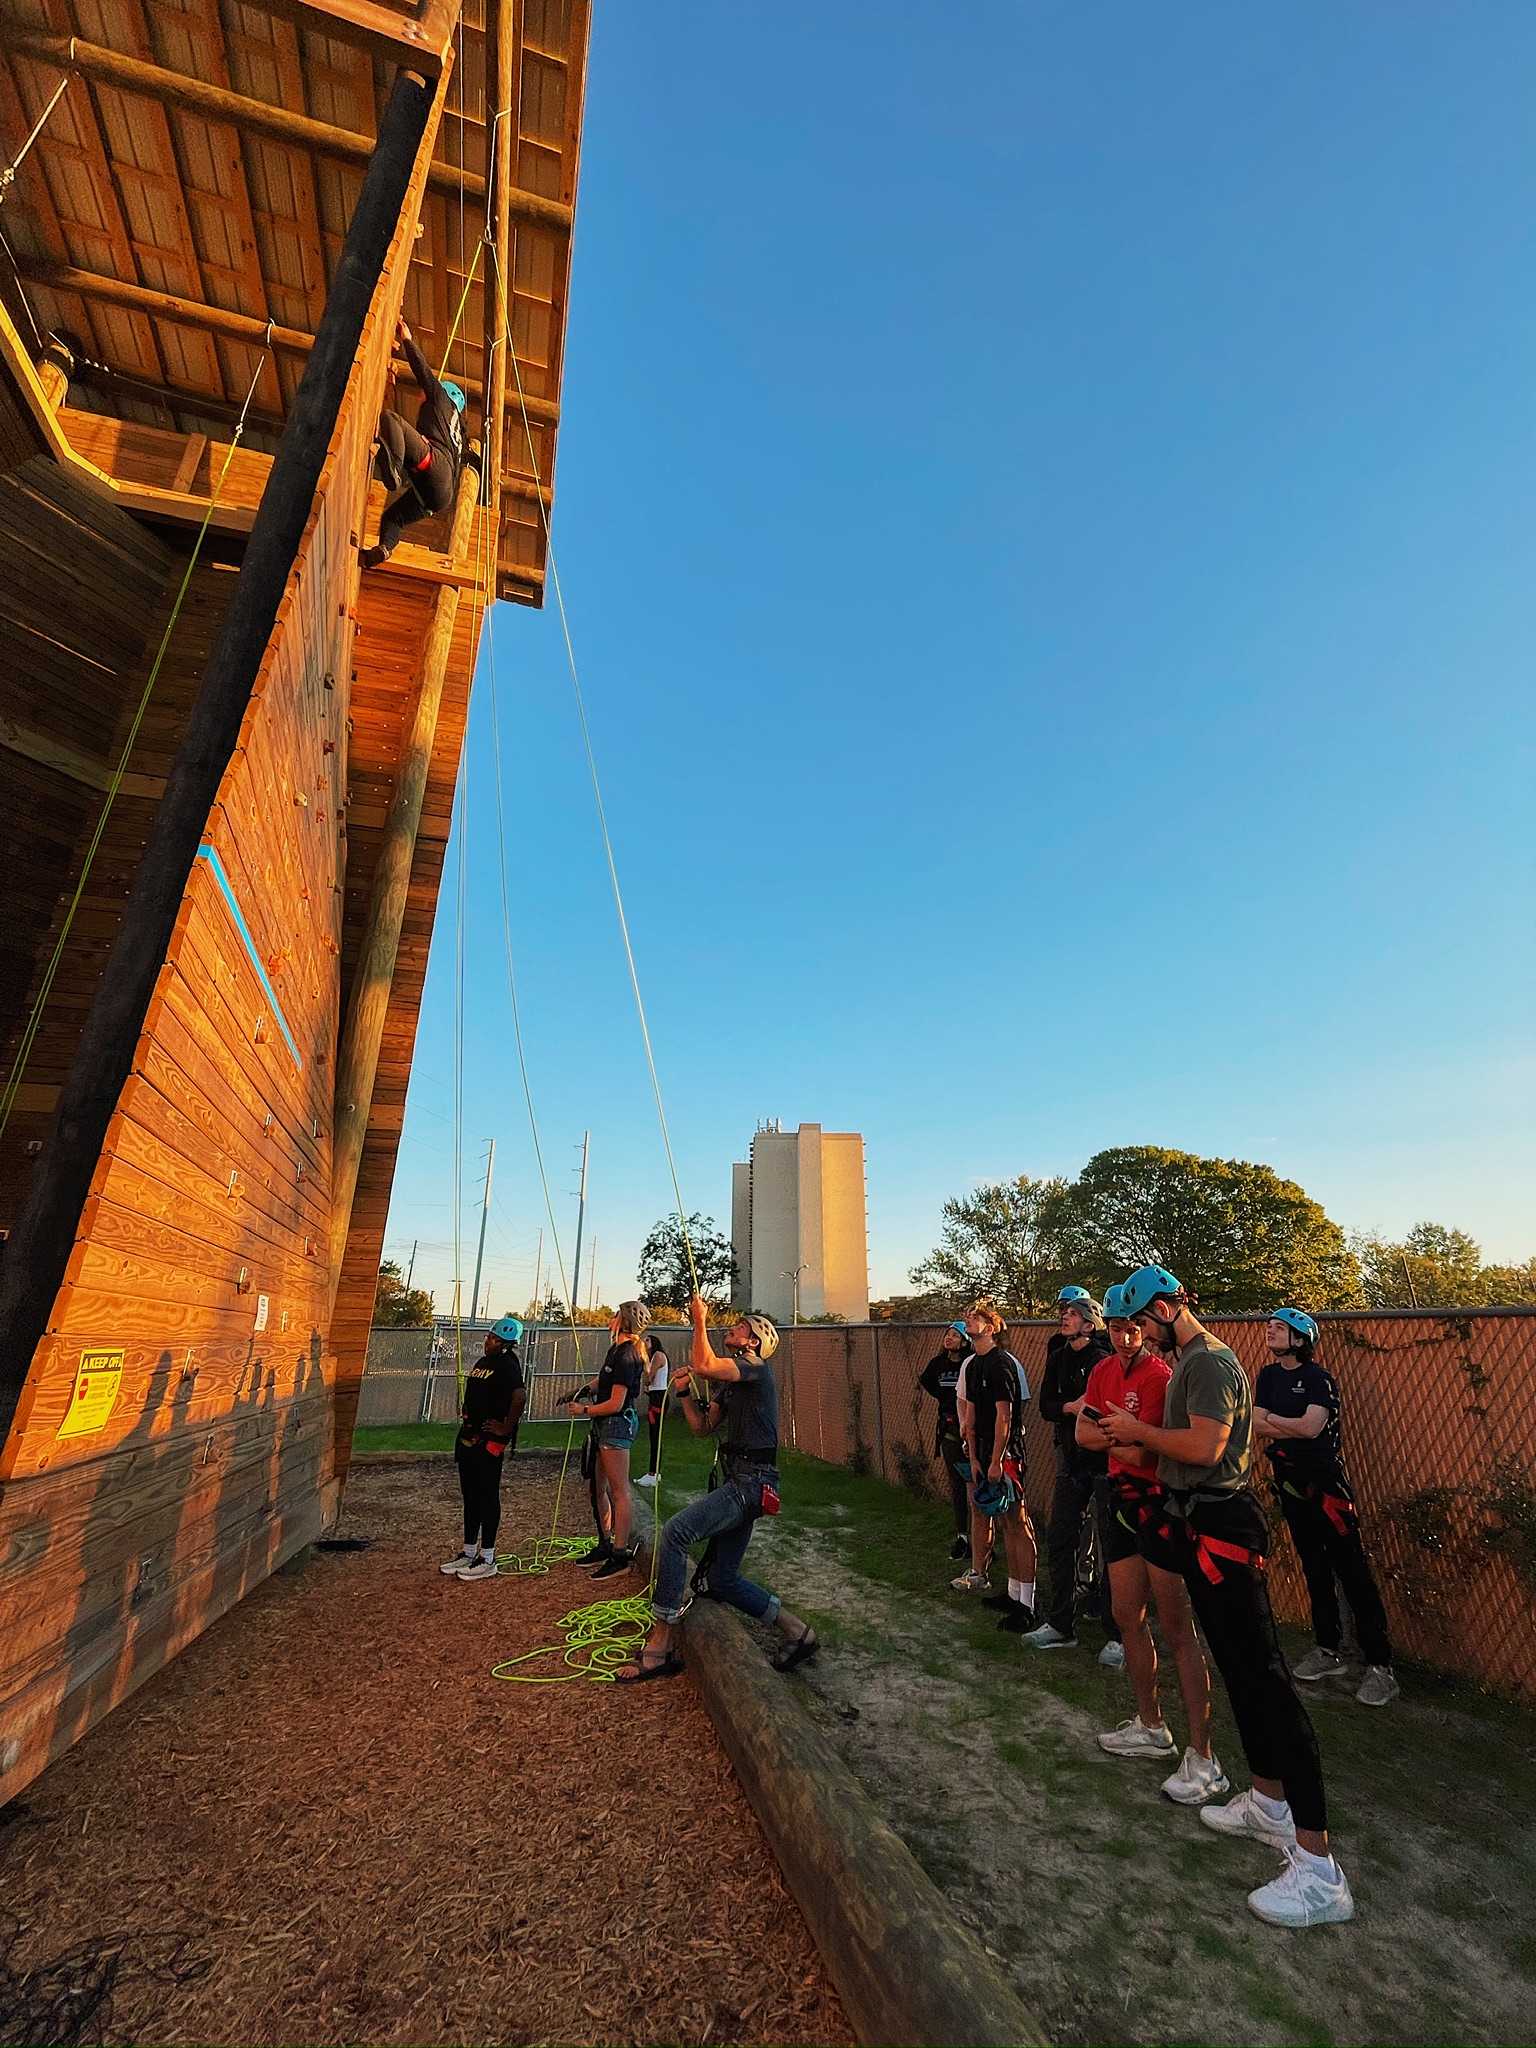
[489,1385]
[990,1377]
[1290,1390]
[438,420]
[1066,1379]
[938,1378]
[624,1366]
[751,1406]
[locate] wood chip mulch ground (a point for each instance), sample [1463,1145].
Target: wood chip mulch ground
[327,1823]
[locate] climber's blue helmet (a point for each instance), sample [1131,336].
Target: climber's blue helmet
[1296,1319]
[1069,1295]
[995,1496]
[1114,1308]
[959,1324]
[508,1329]
[1147,1284]
[461,406]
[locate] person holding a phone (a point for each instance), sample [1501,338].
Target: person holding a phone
[1141,1564]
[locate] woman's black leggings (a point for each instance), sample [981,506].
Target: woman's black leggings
[1320,1514]
[398,466]
[480,1484]
[1221,1552]
[950,1449]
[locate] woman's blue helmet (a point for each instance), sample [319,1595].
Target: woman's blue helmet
[1298,1320]
[508,1329]
[959,1324]
[1144,1285]
[1114,1310]
[995,1496]
[461,406]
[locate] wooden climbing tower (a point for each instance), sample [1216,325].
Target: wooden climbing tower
[227,760]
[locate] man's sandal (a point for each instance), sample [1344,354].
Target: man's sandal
[650,1664]
[800,1651]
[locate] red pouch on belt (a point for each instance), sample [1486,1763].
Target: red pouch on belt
[493,1447]
[770,1499]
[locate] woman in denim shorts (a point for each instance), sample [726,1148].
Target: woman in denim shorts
[614,1411]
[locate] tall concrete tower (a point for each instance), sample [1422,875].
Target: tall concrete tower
[799,1224]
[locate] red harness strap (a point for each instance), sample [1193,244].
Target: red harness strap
[425,463]
[1340,1512]
[1209,1548]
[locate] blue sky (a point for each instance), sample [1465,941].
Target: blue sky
[1038,482]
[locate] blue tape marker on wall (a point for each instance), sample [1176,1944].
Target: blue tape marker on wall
[226,890]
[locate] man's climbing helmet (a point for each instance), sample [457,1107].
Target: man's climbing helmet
[764,1330]
[460,402]
[1297,1320]
[508,1329]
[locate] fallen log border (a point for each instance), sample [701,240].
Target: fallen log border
[908,1973]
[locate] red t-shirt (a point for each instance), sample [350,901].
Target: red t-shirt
[1140,1391]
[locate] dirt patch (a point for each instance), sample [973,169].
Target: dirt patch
[1119,1917]
[327,1823]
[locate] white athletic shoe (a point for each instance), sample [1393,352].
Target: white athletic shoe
[1317,1664]
[1198,1779]
[1302,1897]
[646,1479]
[482,1568]
[1135,1738]
[1244,1816]
[1378,1688]
[1047,1638]
[455,1565]
[1112,1656]
[970,1582]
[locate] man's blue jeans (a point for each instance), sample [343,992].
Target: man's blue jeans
[726,1515]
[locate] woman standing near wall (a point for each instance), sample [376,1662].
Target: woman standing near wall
[938,1378]
[1296,1419]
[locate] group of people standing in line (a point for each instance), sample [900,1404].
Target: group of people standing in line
[1156,1432]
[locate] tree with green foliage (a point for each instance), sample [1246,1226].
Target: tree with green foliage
[1436,1266]
[666,1277]
[1003,1243]
[1235,1233]
[396,1306]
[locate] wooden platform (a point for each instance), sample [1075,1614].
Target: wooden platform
[184,1423]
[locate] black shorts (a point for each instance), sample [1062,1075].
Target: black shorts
[1121,1537]
[1158,1542]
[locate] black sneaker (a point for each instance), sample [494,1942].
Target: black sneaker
[620,1561]
[1019,1621]
[961,1547]
[999,1602]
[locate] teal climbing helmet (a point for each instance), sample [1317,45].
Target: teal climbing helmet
[1145,1285]
[1114,1309]
[1298,1320]
[995,1496]
[460,406]
[1070,1295]
[508,1329]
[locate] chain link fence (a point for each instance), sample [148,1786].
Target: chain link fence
[413,1375]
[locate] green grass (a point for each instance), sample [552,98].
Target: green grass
[408,1436]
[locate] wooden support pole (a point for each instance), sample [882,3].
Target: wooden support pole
[253,117]
[37,1253]
[357,1059]
[496,262]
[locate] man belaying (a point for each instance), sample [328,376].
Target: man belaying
[495,1396]
[748,1487]
[421,463]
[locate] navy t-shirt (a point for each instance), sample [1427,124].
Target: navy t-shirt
[622,1367]
[938,1378]
[751,1407]
[990,1378]
[1289,1391]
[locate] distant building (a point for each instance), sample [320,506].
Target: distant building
[798,1215]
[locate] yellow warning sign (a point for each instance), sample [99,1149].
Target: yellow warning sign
[95,1396]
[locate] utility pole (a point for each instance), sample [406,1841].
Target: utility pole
[485,1210]
[411,1268]
[581,1216]
[1412,1296]
[794,1291]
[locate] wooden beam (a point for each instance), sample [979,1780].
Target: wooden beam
[496,258]
[169,397]
[254,117]
[357,1057]
[37,1254]
[68,761]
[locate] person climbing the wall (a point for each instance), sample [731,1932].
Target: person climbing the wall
[1141,1563]
[1296,1419]
[495,1395]
[747,1405]
[614,1411]
[1221,1536]
[658,1375]
[937,1380]
[421,463]
[1070,1356]
[990,1397]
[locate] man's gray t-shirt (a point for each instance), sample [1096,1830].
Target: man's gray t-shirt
[752,1410]
[1209,1381]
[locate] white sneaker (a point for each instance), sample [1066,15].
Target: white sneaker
[482,1568]
[1047,1638]
[646,1479]
[1244,1816]
[1135,1738]
[1197,1779]
[1112,1656]
[455,1565]
[1301,1896]
[1378,1688]
[970,1582]
[1317,1664]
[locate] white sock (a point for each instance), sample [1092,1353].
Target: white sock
[488,1550]
[1026,1594]
[1016,1590]
[469,1550]
[1323,1865]
[1272,1809]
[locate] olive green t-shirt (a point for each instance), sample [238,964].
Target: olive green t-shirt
[1209,1381]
